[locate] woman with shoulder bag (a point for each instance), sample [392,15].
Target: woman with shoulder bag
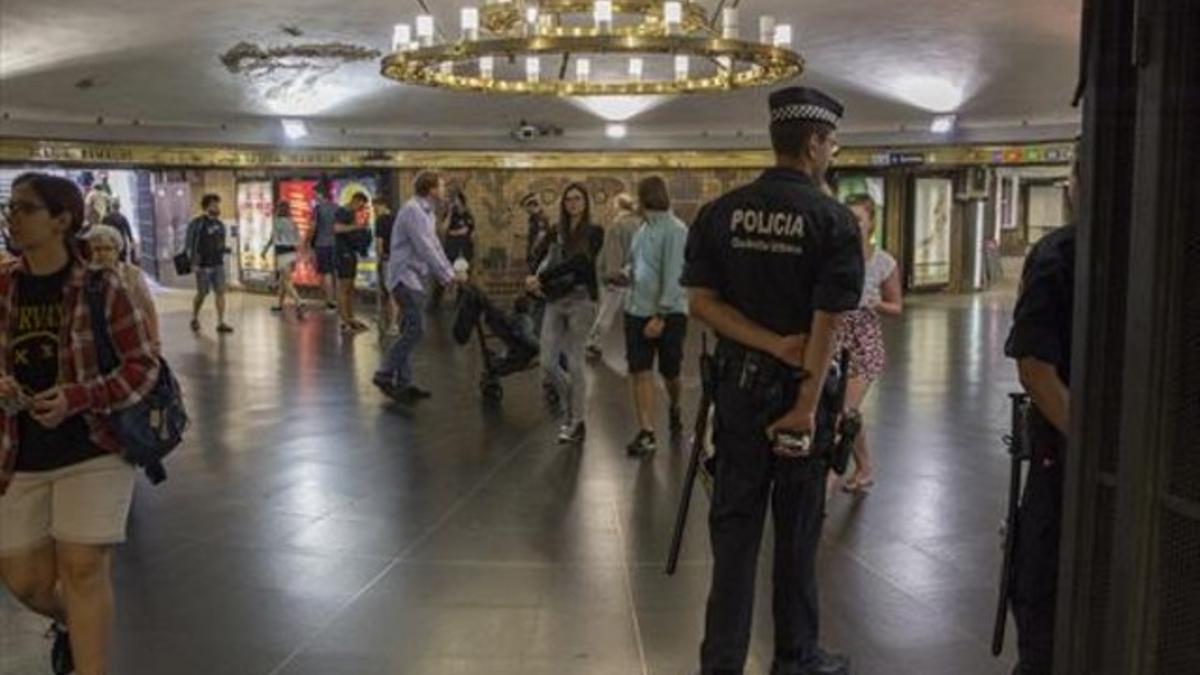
[65,491]
[567,280]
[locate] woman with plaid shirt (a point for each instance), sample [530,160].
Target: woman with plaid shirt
[65,492]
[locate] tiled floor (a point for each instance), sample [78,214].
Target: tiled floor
[310,528]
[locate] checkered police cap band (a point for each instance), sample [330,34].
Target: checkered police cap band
[803,112]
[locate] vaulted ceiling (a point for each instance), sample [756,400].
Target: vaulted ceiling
[152,70]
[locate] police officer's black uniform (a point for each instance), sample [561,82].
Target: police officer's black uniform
[1042,330]
[778,250]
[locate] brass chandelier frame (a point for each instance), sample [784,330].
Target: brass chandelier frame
[504,34]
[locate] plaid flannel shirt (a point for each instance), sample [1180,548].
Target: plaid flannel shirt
[88,392]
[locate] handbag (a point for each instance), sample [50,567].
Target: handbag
[183,264]
[151,428]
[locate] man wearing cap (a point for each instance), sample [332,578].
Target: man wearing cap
[770,267]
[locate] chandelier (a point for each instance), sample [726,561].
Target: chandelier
[592,48]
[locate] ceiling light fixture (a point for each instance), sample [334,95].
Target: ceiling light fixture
[604,34]
[616,131]
[943,124]
[294,129]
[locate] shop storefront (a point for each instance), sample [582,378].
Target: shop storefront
[946,213]
[104,190]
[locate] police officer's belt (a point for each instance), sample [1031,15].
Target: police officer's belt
[751,369]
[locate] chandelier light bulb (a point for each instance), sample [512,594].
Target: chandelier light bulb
[470,23]
[425,30]
[531,20]
[636,68]
[533,69]
[401,37]
[603,13]
[487,67]
[766,29]
[730,27]
[583,71]
[683,67]
[783,36]
[673,16]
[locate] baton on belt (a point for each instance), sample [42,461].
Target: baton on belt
[1018,452]
[699,442]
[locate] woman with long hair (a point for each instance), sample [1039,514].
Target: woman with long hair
[460,232]
[65,491]
[285,236]
[862,333]
[567,280]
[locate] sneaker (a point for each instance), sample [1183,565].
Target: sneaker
[643,444]
[572,434]
[384,384]
[62,661]
[417,392]
[675,417]
[820,663]
[225,328]
[195,325]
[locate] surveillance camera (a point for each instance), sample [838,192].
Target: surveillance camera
[526,132]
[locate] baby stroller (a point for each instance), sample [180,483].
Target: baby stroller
[478,315]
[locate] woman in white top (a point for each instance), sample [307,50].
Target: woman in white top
[286,239]
[862,333]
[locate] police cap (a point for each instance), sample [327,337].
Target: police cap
[802,104]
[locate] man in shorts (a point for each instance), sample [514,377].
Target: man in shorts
[656,311]
[324,242]
[207,248]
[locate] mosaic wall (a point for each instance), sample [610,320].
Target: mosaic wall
[494,197]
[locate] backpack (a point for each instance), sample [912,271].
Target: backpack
[151,428]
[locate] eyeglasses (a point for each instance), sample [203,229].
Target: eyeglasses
[10,209]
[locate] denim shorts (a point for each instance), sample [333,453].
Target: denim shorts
[210,279]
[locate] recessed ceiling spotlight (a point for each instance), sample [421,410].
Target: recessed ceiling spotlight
[294,129]
[943,124]
[616,131]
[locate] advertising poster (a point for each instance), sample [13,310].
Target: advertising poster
[254,211]
[848,186]
[931,231]
[300,195]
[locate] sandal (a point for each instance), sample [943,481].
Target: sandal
[857,486]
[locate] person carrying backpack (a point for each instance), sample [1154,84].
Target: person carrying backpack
[65,489]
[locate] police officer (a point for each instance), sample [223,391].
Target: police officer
[1040,341]
[770,267]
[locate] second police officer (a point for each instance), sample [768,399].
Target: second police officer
[770,267]
[1040,341]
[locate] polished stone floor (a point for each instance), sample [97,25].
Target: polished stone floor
[310,528]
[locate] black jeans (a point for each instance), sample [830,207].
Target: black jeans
[748,476]
[1035,567]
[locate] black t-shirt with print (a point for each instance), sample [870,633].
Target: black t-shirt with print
[37,324]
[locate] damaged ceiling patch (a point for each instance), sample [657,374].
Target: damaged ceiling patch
[251,60]
[290,78]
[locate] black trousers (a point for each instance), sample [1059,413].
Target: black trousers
[1035,567]
[748,477]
